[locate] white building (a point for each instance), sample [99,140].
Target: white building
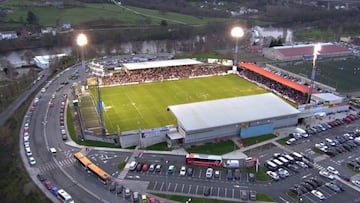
[44,62]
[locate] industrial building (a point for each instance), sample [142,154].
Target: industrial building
[247,116]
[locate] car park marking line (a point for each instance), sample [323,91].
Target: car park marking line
[175,187]
[197,187]
[155,185]
[182,189]
[200,173]
[233,192]
[225,192]
[126,159]
[189,189]
[169,184]
[162,185]
[218,193]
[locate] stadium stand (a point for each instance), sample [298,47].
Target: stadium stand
[163,73]
[287,88]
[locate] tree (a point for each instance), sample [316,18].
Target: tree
[164,23]
[32,19]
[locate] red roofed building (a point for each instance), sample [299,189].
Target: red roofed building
[300,52]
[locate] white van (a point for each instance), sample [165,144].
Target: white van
[297,156]
[283,160]
[289,158]
[277,162]
[271,165]
[302,132]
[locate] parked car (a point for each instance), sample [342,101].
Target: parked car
[145,167]
[112,186]
[356,182]
[158,168]
[237,174]
[41,177]
[216,174]
[252,195]
[139,167]
[127,193]
[244,195]
[119,189]
[209,172]
[326,174]
[333,186]
[283,173]
[182,171]
[273,175]
[332,170]
[318,194]
[190,171]
[48,184]
[251,177]
[135,196]
[32,161]
[229,174]
[152,168]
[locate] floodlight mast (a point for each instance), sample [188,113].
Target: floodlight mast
[82,41]
[317,48]
[237,32]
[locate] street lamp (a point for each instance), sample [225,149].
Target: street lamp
[237,32]
[82,41]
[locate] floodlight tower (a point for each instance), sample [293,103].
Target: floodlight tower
[237,32]
[317,48]
[82,41]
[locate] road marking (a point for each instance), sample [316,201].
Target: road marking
[283,199]
[155,185]
[162,185]
[197,187]
[168,187]
[307,175]
[182,189]
[218,192]
[225,191]
[126,159]
[189,189]
[200,173]
[233,193]
[175,187]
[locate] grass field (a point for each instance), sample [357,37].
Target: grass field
[48,16]
[218,148]
[344,75]
[145,105]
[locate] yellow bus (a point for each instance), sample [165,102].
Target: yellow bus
[101,174]
[82,159]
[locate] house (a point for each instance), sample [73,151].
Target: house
[8,35]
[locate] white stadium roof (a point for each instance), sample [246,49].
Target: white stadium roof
[328,97]
[222,112]
[159,64]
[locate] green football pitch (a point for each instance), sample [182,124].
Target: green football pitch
[344,75]
[144,106]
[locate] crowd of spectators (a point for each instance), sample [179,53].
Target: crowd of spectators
[165,73]
[287,92]
[293,78]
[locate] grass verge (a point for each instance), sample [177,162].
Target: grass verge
[121,165]
[218,148]
[263,197]
[254,140]
[282,141]
[318,151]
[158,147]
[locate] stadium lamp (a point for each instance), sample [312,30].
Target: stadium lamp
[82,41]
[237,32]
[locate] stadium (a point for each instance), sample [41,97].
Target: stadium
[186,101]
[304,52]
